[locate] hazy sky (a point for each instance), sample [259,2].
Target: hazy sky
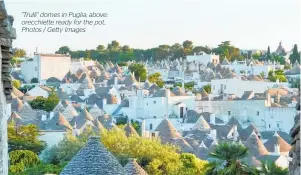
[248,24]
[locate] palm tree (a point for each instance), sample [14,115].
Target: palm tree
[270,168]
[227,161]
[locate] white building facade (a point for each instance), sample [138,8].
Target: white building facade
[44,66]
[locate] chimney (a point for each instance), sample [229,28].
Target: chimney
[104,101]
[235,133]
[277,149]
[213,134]
[143,128]
[115,81]
[51,114]
[44,117]
[167,92]
[212,119]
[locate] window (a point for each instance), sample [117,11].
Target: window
[269,125]
[278,125]
[154,102]
[257,112]
[146,104]
[150,126]
[229,112]
[36,68]
[224,86]
[155,117]
[213,87]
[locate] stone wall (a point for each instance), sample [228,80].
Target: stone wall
[7,33]
[294,166]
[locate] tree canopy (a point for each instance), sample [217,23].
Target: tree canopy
[139,70]
[24,137]
[156,78]
[46,104]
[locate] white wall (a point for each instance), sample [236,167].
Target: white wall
[52,137]
[203,58]
[53,66]
[238,87]
[29,70]
[266,119]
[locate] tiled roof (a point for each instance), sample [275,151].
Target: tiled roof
[93,159]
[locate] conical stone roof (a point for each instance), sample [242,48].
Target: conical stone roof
[95,111]
[201,124]
[255,146]
[130,130]
[277,140]
[169,134]
[59,108]
[93,159]
[70,112]
[133,168]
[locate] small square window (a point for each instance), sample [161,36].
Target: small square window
[154,102]
[229,112]
[278,125]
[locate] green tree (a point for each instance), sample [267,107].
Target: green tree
[100,48]
[16,83]
[268,55]
[226,50]
[163,159]
[19,53]
[34,80]
[229,160]
[126,48]
[177,50]
[47,104]
[198,49]
[24,138]
[295,56]
[187,45]
[207,88]
[191,164]
[15,60]
[22,159]
[256,56]
[156,78]
[278,74]
[63,50]
[270,168]
[114,46]
[139,70]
